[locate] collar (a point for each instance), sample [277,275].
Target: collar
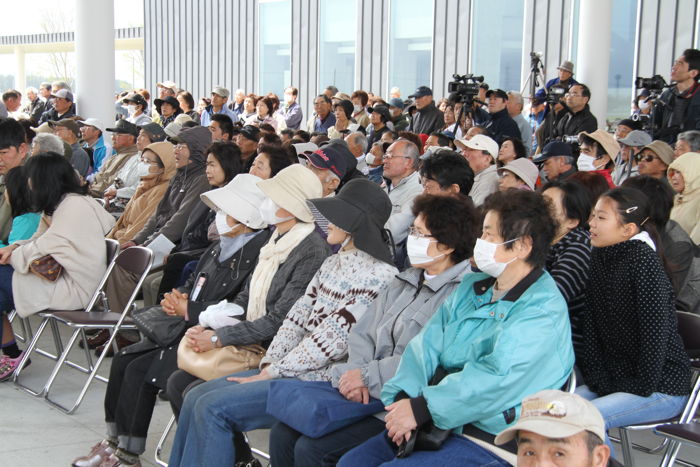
[453,274]
[480,287]
[403,181]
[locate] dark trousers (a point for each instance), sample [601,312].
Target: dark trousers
[129,400]
[289,448]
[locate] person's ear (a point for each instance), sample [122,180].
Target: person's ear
[600,455]
[630,229]
[694,73]
[334,183]
[523,246]
[453,189]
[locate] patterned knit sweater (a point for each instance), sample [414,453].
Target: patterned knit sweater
[314,334]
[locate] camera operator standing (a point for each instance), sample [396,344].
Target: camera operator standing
[678,109]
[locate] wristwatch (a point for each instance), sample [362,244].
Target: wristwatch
[214,339]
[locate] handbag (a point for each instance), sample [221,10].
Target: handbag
[315,408]
[427,437]
[159,327]
[218,362]
[46,267]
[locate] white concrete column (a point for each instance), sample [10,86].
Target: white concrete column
[20,75]
[94,52]
[594,32]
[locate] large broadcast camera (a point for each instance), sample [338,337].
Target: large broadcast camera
[655,85]
[464,88]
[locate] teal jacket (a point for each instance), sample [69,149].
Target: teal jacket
[495,353]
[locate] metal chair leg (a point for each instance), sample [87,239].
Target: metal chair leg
[23,362]
[161,442]
[626,448]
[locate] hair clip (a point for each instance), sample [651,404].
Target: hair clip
[643,221]
[631,209]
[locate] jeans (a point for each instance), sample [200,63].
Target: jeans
[289,448]
[457,451]
[622,409]
[210,416]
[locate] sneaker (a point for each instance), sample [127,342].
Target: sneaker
[113,461]
[8,366]
[97,455]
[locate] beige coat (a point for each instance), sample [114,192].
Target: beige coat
[74,236]
[109,170]
[145,201]
[686,206]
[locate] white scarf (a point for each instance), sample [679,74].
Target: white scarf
[271,256]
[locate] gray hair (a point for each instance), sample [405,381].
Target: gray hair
[567,160]
[47,142]
[516,96]
[410,151]
[45,85]
[692,137]
[358,138]
[31,89]
[61,85]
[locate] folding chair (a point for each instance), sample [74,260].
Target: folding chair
[679,434]
[27,332]
[136,260]
[689,329]
[112,247]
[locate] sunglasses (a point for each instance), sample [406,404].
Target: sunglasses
[645,157]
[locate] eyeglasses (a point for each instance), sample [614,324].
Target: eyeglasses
[645,157]
[573,94]
[414,232]
[180,146]
[389,156]
[148,161]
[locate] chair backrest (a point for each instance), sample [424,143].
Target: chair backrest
[689,329]
[570,385]
[137,262]
[112,250]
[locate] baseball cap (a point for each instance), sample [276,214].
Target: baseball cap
[497,93]
[636,138]
[167,84]
[72,125]
[329,158]
[421,91]
[480,142]
[96,122]
[123,126]
[304,148]
[554,149]
[154,130]
[524,169]
[555,414]
[250,132]
[63,94]
[221,91]
[396,102]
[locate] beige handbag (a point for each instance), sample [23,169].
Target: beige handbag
[218,362]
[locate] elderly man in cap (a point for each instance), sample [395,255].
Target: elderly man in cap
[168,109]
[500,125]
[557,161]
[565,76]
[654,158]
[137,107]
[69,131]
[558,428]
[62,105]
[124,136]
[330,166]
[92,130]
[427,118]
[481,153]
[398,118]
[247,141]
[626,162]
[219,98]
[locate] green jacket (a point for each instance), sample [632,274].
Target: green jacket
[495,353]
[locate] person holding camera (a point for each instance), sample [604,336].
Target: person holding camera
[578,116]
[678,107]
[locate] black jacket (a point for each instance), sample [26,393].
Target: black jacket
[223,281]
[571,124]
[52,115]
[501,126]
[665,120]
[427,120]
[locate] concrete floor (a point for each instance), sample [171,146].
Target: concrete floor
[35,434]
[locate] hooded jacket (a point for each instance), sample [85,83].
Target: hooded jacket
[686,206]
[144,202]
[183,192]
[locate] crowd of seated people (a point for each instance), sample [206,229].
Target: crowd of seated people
[381,250]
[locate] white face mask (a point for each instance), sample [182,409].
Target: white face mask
[643,105]
[268,212]
[484,256]
[417,248]
[586,163]
[369,158]
[221,225]
[131,108]
[143,169]
[357,108]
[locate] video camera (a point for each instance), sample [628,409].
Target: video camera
[655,84]
[464,87]
[555,94]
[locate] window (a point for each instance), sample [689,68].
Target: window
[497,42]
[337,31]
[621,70]
[274,72]
[410,44]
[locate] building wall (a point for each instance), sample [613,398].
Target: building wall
[202,43]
